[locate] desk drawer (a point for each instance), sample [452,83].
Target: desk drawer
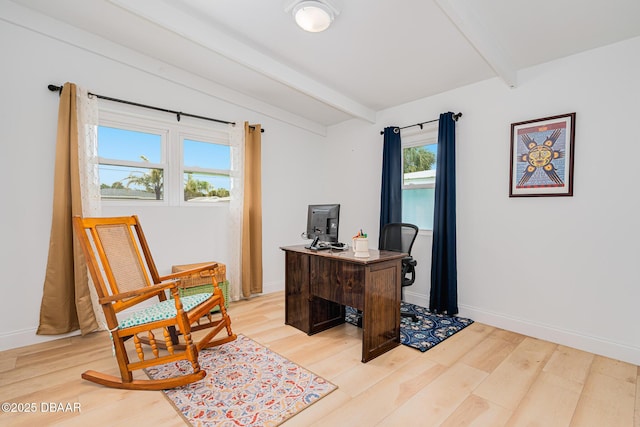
[337,281]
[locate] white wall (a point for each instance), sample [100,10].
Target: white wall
[566,269]
[28,112]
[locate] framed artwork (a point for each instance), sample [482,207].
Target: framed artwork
[542,157]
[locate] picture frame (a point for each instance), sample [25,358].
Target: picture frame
[542,152]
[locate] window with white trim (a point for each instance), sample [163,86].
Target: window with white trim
[131,162]
[151,161]
[206,170]
[419,152]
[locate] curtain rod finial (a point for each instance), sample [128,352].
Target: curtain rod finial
[54,88]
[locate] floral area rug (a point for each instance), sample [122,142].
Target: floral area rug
[246,385]
[428,330]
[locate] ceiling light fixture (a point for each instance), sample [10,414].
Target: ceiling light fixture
[313,15]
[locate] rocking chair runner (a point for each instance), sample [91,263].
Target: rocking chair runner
[125,275]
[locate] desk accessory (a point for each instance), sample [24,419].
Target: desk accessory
[361,245]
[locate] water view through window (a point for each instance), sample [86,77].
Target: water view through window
[418,184]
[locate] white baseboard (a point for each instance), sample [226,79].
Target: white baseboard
[569,338]
[269,288]
[596,345]
[24,337]
[416,298]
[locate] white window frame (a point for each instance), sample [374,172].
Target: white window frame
[173,133]
[137,124]
[426,136]
[218,138]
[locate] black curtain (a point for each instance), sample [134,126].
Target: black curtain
[444,275]
[391,194]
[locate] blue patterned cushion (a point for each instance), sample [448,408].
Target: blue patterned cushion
[162,311]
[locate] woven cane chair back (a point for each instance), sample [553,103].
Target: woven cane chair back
[122,259]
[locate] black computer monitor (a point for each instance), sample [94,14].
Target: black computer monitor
[322,222]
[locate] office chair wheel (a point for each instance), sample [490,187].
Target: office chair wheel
[413,317]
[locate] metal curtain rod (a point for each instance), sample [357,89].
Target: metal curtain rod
[54,88]
[396,130]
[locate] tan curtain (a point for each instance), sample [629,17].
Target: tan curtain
[66,301]
[252,213]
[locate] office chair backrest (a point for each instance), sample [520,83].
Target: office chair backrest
[398,237]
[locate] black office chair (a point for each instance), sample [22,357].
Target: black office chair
[399,237]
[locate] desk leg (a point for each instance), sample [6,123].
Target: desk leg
[297,313]
[381,314]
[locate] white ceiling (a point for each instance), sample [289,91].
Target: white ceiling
[377,54]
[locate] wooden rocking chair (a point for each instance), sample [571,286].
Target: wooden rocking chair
[125,275]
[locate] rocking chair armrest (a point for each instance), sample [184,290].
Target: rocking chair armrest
[151,291]
[189,272]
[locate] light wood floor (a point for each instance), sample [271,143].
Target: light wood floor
[482,376]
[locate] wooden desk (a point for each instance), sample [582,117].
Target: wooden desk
[319,284]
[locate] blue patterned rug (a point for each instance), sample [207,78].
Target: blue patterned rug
[429,330]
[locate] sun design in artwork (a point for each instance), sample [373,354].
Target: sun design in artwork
[541,156]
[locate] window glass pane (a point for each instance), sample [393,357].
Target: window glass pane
[129,145]
[419,164]
[206,155]
[205,187]
[417,207]
[125,182]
